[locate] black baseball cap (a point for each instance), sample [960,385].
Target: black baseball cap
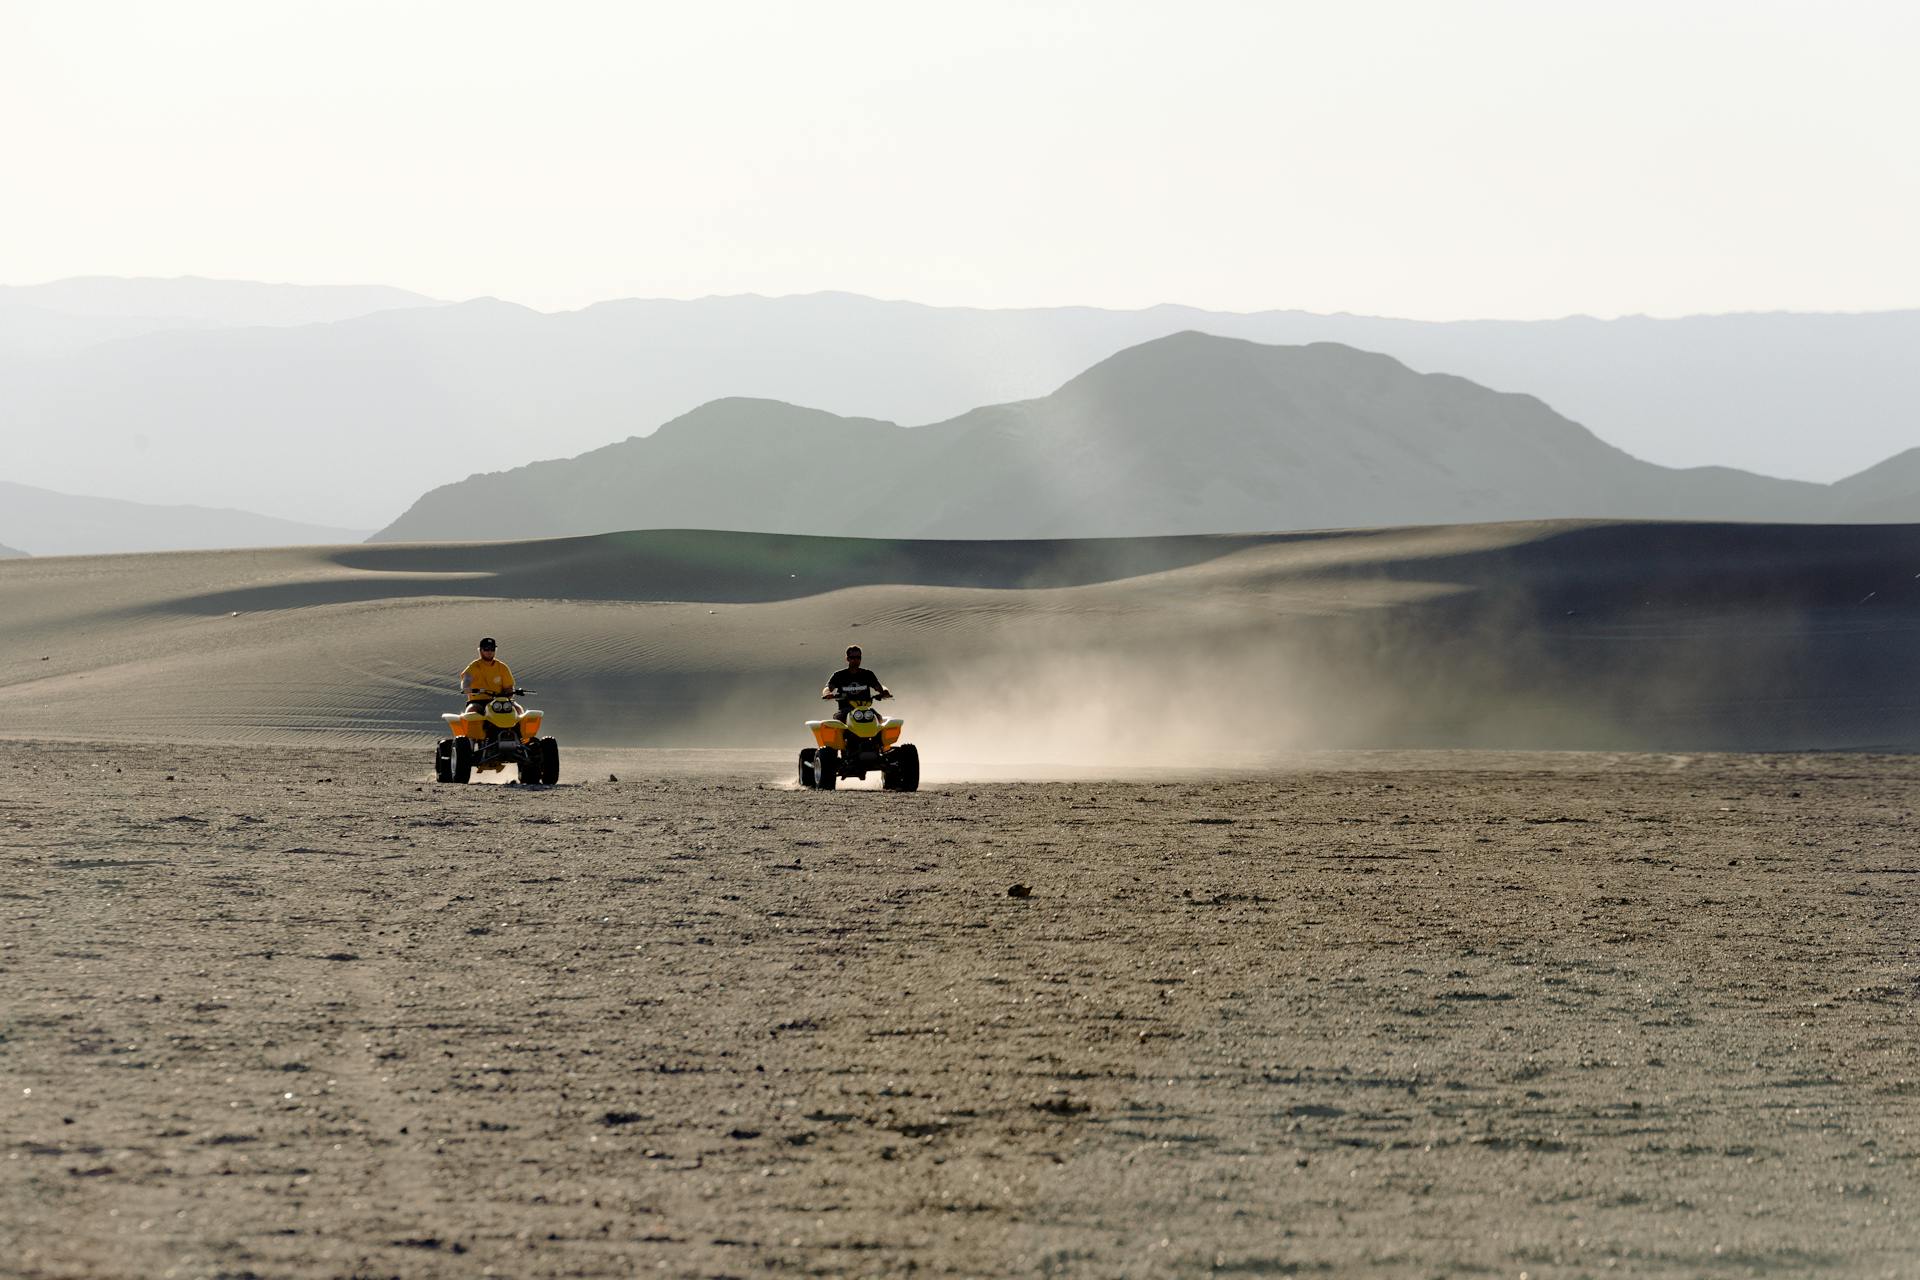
[486,642]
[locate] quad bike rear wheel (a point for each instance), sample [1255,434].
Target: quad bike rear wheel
[902,768]
[806,766]
[531,769]
[462,765]
[549,761]
[443,760]
[826,768]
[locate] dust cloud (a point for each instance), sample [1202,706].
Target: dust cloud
[1495,675]
[1128,684]
[1101,712]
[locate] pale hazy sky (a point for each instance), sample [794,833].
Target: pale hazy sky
[1414,158]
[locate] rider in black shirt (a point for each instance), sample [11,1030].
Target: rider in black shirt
[854,674]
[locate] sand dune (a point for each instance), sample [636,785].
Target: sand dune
[1140,651]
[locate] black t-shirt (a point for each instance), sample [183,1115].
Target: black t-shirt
[853,675]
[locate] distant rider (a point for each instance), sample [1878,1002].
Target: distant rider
[485,678]
[854,674]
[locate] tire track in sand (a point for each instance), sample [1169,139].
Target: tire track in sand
[397,1170]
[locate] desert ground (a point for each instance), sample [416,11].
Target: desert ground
[1380,1014]
[1146,979]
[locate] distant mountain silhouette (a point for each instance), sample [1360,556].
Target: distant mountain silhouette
[1185,434]
[9,553]
[414,397]
[61,524]
[58,319]
[29,333]
[219,302]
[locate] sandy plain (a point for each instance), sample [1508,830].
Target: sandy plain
[1372,1014]
[273,1003]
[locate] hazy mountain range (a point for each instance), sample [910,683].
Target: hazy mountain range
[68,315]
[1185,434]
[346,419]
[45,523]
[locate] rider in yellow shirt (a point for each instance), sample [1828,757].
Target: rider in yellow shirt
[485,677]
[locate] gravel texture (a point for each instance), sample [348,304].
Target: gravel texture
[273,1013]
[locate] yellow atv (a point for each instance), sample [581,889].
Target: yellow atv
[503,734]
[864,742]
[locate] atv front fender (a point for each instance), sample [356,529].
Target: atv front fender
[465,726]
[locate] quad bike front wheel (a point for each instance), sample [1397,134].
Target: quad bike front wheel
[443,760]
[901,768]
[806,766]
[530,768]
[549,758]
[826,768]
[462,764]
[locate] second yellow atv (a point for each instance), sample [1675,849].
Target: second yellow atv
[503,734]
[865,741]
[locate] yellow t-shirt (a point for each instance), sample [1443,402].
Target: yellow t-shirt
[483,679]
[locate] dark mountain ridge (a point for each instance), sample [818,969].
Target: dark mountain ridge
[1185,434]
